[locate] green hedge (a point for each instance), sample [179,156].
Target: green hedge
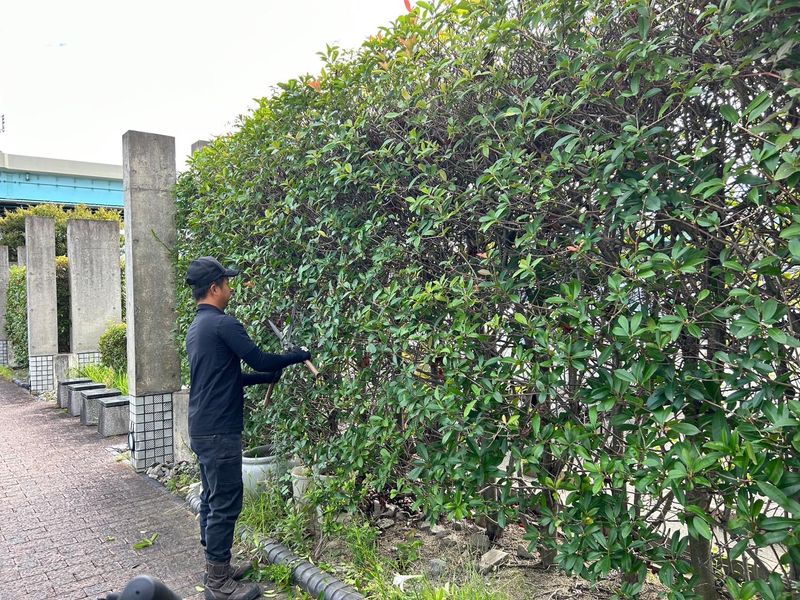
[114,347]
[17,315]
[63,313]
[565,234]
[12,223]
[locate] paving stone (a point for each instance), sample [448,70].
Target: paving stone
[63,495]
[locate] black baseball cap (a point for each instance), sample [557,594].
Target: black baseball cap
[206,269]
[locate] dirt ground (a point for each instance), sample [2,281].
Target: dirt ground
[454,551]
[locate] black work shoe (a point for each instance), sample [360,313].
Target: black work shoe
[221,586]
[234,571]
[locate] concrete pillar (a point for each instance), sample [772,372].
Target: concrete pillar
[199,145]
[40,259]
[94,284]
[62,365]
[21,256]
[180,426]
[148,166]
[4,274]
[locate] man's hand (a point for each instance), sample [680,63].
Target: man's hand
[301,353]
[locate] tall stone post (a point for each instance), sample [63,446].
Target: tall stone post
[94,284]
[40,259]
[148,164]
[199,145]
[4,275]
[21,256]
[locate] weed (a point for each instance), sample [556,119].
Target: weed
[280,575]
[179,482]
[475,589]
[6,373]
[268,514]
[408,553]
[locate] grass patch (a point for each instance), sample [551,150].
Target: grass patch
[6,373]
[270,514]
[359,561]
[105,375]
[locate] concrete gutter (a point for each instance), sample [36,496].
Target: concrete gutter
[311,579]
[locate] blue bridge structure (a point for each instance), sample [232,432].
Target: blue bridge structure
[29,180]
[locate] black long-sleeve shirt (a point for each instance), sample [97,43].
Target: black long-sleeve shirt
[216,344]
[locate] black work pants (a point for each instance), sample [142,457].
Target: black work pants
[220,458]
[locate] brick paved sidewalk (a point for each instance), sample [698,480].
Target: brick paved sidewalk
[70,513]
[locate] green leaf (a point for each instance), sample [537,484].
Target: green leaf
[781,499]
[785,171]
[738,549]
[468,408]
[794,248]
[729,113]
[778,524]
[702,527]
[759,104]
[791,231]
[625,376]
[145,542]
[685,428]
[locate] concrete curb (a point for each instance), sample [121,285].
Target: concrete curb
[311,579]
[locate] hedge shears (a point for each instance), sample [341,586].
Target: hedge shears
[285,338]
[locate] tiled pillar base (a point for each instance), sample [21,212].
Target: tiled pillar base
[41,374]
[88,358]
[150,435]
[3,352]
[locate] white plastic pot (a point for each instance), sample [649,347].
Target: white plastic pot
[303,481]
[260,466]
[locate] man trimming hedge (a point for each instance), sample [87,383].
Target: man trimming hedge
[216,344]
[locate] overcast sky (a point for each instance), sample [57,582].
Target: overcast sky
[77,74]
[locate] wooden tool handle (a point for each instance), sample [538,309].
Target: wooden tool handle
[268,395]
[312,368]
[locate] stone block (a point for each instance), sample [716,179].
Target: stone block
[94,281]
[40,245]
[180,427]
[75,396]
[62,392]
[62,364]
[90,403]
[114,416]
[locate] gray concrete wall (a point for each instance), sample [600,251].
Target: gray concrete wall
[150,236]
[4,274]
[94,281]
[40,259]
[21,256]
